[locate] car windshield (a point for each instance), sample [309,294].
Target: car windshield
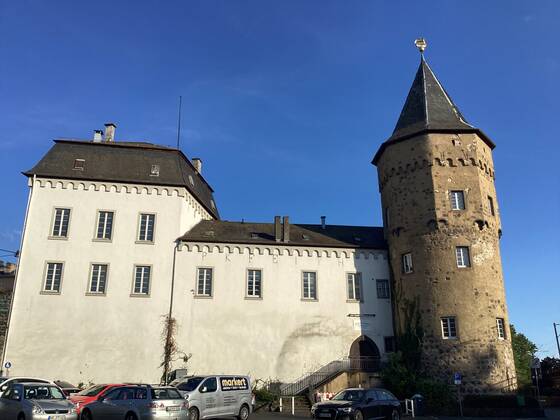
[64,384]
[92,391]
[43,392]
[165,394]
[190,385]
[349,395]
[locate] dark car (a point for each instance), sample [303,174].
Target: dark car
[359,404]
[67,387]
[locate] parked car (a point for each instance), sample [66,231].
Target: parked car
[37,401]
[20,379]
[88,395]
[137,402]
[67,387]
[217,396]
[359,404]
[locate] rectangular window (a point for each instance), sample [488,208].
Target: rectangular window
[309,285]
[354,281]
[407,263]
[383,289]
[60,223]
[457,200]
[389,344]
[254,283]
[204,282]
[146,228]
[491,206]
[448,327]
[142,274]
[53,277]
[98,281]
[501,328]
[104,225]
[463,257]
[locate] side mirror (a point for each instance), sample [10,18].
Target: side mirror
[204,389]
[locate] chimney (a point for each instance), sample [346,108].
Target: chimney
[110,132]
[97,136]
[277,229]
[197,163]
[286,229]
[323,222]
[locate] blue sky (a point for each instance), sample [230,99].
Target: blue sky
[287,101]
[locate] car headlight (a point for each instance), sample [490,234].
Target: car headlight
[346,409]
[72,410]
[37,410]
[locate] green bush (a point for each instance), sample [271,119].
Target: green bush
[263,395]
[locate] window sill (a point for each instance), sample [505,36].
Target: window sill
[140,295]
[450,338]
[144,242]
[46,292]
[407,272]
[354,301]
[95,294]
[253,298]
[203,296]
[309,300]
[58,238]
[101,240]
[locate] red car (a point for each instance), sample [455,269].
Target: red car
[90,394]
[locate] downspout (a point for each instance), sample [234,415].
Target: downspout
[29,197]
[167,363]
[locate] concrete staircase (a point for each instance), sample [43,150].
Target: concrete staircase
[302,406]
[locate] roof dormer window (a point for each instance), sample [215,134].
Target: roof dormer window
[155,170]
[191,180]
[79,164]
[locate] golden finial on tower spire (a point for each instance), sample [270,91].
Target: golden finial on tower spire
[421,44]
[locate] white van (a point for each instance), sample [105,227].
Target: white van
[216,396]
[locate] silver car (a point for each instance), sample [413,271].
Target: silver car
[137,402]
[35,401]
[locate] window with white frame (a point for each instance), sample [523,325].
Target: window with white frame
[354,282]
[204,282]
[104,225]
[383,289]
[463,257]
[407,263]
[448,327]
[146,227]
[309,285]
[254,283]
[61,221]
[53,277]
[501,328]
[457,200]
[142,277]
[98,281]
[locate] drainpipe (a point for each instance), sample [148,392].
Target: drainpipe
[170,312]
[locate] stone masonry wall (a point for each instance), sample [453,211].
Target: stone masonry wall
[415,178]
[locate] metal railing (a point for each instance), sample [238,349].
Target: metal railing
[312,380]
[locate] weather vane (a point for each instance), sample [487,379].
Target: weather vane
[421,44]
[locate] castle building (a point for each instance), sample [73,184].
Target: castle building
[120,234]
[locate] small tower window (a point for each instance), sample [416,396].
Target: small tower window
[448,327]
[463,257]
[191,180]
[457,200]
[407,263]
[79,164]
[491,206]
[501,328]
[154,171]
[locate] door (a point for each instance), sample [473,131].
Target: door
[386,406]
[108,408]
[211,400]
[10,402]
[371,408]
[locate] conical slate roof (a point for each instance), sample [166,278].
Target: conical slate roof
[428,108]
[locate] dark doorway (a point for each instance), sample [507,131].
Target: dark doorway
[364,355]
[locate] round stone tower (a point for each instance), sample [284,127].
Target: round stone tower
[441,221]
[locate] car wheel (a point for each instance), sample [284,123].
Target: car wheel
[193,413]
[358,415]
[86,415]
[243,413]
[395,415]
[130,416]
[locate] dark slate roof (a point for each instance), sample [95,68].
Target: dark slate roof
[428,108]
[333,236]
[127,162]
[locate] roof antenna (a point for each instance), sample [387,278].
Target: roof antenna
[179,123]
[421,44]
